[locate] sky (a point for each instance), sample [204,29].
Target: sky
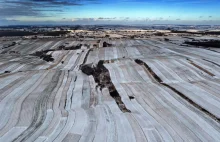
[130,12]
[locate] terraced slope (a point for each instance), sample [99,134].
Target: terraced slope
[170,93]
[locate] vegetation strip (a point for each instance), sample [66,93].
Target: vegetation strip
[43,54]
[212,62]
[201,68]
[191,102]
[102,78]
[205,43]
[157,78]
[87,54]
[154,75]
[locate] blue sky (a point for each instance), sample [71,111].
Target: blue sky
[109,12]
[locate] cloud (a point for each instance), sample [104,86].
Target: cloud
[94,21]
[38,8]
[83,19]
[106,18]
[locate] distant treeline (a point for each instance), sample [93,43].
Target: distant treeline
[27,33]
[55,33]
[210,43]
[202,32]
[16,33]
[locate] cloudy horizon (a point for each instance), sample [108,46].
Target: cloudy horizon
[86,12]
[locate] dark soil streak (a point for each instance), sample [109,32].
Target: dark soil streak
[212,62]
[201,68]
[192,103]
[177,92]
[154,75]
